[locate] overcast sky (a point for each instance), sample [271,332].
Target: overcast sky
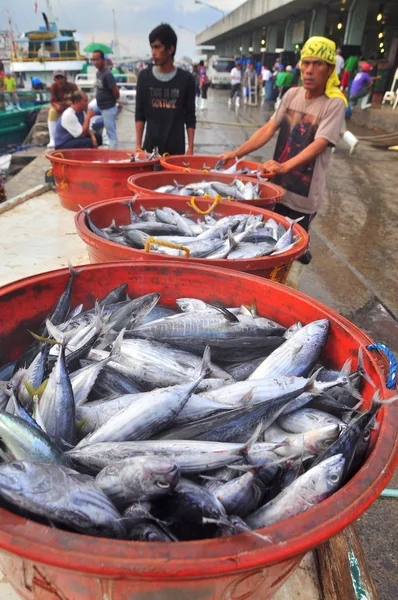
[135,19]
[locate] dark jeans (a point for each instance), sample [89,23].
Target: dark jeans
[285,211]
[84,142]
[354,98]
[204,89]
[235,89]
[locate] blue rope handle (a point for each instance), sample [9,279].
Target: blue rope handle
[392,375]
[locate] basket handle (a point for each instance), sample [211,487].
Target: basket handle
[392,374]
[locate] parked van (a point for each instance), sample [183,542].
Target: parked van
[219,70]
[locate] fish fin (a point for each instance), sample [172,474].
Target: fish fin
[362,370]
[227,314]
[297,347]
[206,367]
[378,402]
[353,391]
[245,310]
[293,221]
[311,383]
[246,398]
[73,272]
[117,345]
[81,424]
[252,439]
[346,368]
[67,444]
[40,338]
[30,389]
[55,332]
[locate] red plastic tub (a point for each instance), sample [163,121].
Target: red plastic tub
[195,163]
[99,249]
[44,563]
[80,180]
[146,183]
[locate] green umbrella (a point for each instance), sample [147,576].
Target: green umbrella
[92,47]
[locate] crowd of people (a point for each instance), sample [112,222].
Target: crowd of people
[310,117]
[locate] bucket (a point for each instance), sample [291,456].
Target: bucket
[146,183]
[44,563]
[80,180]
[198,163]
[99,249]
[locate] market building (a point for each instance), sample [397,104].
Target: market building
[266,30]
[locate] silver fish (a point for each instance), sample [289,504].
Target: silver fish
[62,495]
[307,491]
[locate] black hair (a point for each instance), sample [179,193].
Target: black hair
[102,55]
[201,63]
[166,36]
[77,96]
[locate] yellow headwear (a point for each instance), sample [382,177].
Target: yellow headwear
[325,49]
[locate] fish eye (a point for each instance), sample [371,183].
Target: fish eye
[327,443]
[334,478]
[163,485]
[18,466]
[366,436]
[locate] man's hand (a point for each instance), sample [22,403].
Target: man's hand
[119,105]
[272,166]
[228,156]
[138,149]
[189,150]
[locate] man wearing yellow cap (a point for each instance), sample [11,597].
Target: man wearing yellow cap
[310,119]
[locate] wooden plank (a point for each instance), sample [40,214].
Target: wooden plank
[342,568]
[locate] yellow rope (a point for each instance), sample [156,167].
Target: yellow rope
[165,154]
[153,240]
[64,183]
[186,170]
[205,171]
[217,200]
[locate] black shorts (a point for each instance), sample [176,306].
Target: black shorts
[285,211]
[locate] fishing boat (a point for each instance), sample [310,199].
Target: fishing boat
[36,54]
[40,52]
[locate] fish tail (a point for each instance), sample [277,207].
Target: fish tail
[252,439]
[378,402]
[361,368]
[206,367]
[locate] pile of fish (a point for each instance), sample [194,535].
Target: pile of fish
[134,421]
[240,236]
[137,157]
[234,169]
[214,189]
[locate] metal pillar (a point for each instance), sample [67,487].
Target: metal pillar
[318,21]
[288,45]
[272,37]
[356,23]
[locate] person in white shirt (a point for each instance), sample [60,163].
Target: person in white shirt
[339,62]
[73,127]
[236,83]
[268,83]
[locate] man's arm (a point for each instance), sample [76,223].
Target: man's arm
[191,136]
[116,92]
[139,132]
[140,116]
[257,140]
[304,157]
[190,114]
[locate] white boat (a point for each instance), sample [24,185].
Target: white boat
[40,52]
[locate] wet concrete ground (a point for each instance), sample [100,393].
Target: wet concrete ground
[354,266]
